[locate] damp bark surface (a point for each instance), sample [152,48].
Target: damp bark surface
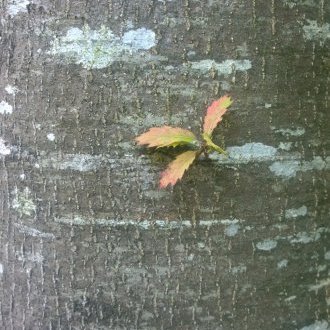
[88,241]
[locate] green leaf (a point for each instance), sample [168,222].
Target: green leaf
[166,136]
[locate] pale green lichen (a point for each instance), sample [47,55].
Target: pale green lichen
[299,131]
[285,169]
[316,32]
[317,325]
[75,162]
[33,232]
[293,3]
[285,146]
[150,120]
[239,269]
[295,213]
[99,48]
[79,220]
[289,168]
[247,153]
[305,238]
[23,203]
[224,68]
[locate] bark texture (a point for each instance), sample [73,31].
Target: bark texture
[87,239]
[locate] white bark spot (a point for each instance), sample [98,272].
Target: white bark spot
[239,269]
[51,136]
[30,256]
[140,39]
[320,285]
[232,229]
[5,108]
[327,255]
[11,89]
[291,298]
[266,245]
[282,264]
[17,6]
[4,150]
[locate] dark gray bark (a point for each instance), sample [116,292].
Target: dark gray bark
[88,241]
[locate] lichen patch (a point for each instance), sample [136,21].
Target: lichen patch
[23,203]
[97,49]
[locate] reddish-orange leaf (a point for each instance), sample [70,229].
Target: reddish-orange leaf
[214,113]
[176,168]
[166,136]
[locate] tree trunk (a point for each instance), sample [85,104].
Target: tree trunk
[88,239]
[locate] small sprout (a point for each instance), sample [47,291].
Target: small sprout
[166,136]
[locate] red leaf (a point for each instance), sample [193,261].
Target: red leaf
[166,136]
[214,114]
[176,168]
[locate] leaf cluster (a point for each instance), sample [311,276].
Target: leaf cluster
[166,136]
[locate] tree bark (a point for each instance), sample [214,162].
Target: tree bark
[88,240]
